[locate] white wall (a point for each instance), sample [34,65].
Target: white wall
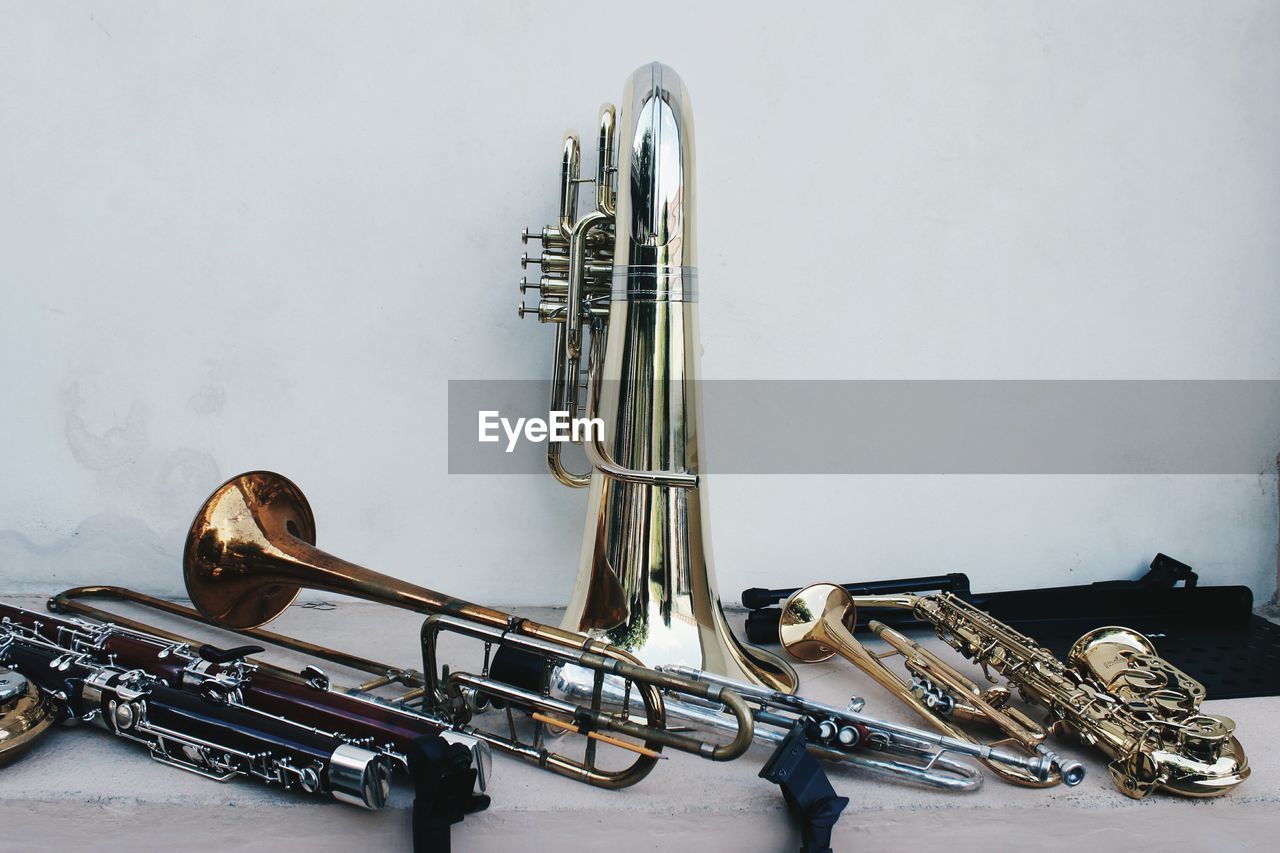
[266,235]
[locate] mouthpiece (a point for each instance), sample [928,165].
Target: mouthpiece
[1072,771]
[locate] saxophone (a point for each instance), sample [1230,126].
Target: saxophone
[1114,692]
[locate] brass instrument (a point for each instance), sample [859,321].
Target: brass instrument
[251,550]
[619,283]
[842,735]
[817,623]
[1113,691]
[26,713]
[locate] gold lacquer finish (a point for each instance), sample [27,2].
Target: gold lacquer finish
[1193,754]
[817,623]
[1113,691]
[251,549]
[620,284]
[25,714]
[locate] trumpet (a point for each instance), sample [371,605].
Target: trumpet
[1113,691]
[251,550]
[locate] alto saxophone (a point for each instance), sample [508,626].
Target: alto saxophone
[1113,691]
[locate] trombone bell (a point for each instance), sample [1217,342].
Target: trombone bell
[235,538]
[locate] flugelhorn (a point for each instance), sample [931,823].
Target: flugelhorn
[620,284]
[1113,691]
[817,623]
[251,550]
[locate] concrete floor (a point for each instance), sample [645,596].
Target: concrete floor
[82,787]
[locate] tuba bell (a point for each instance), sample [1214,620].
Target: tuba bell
[620,284]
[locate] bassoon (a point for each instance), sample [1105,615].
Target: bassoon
[216,712]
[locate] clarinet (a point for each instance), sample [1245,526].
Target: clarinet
[213,712]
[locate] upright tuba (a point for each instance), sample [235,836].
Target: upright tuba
[620,284]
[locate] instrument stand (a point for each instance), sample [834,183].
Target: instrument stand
[806,789]
[444,791]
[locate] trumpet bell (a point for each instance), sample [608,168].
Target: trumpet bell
[803,629]
[235,545]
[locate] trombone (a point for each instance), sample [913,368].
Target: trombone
[251,550]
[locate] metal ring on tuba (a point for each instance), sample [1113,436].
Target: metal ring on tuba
[251,550]
[619,283]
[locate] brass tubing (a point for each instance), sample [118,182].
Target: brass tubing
[71,601]
[560,396]
[926,662]
[605,168]
[569,184]
[598,661]
[601,241]
[816,624]
[251,550]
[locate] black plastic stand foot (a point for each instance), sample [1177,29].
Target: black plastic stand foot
[806,789]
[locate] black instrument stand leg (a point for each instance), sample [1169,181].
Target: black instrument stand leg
[444,791]
[806,789]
